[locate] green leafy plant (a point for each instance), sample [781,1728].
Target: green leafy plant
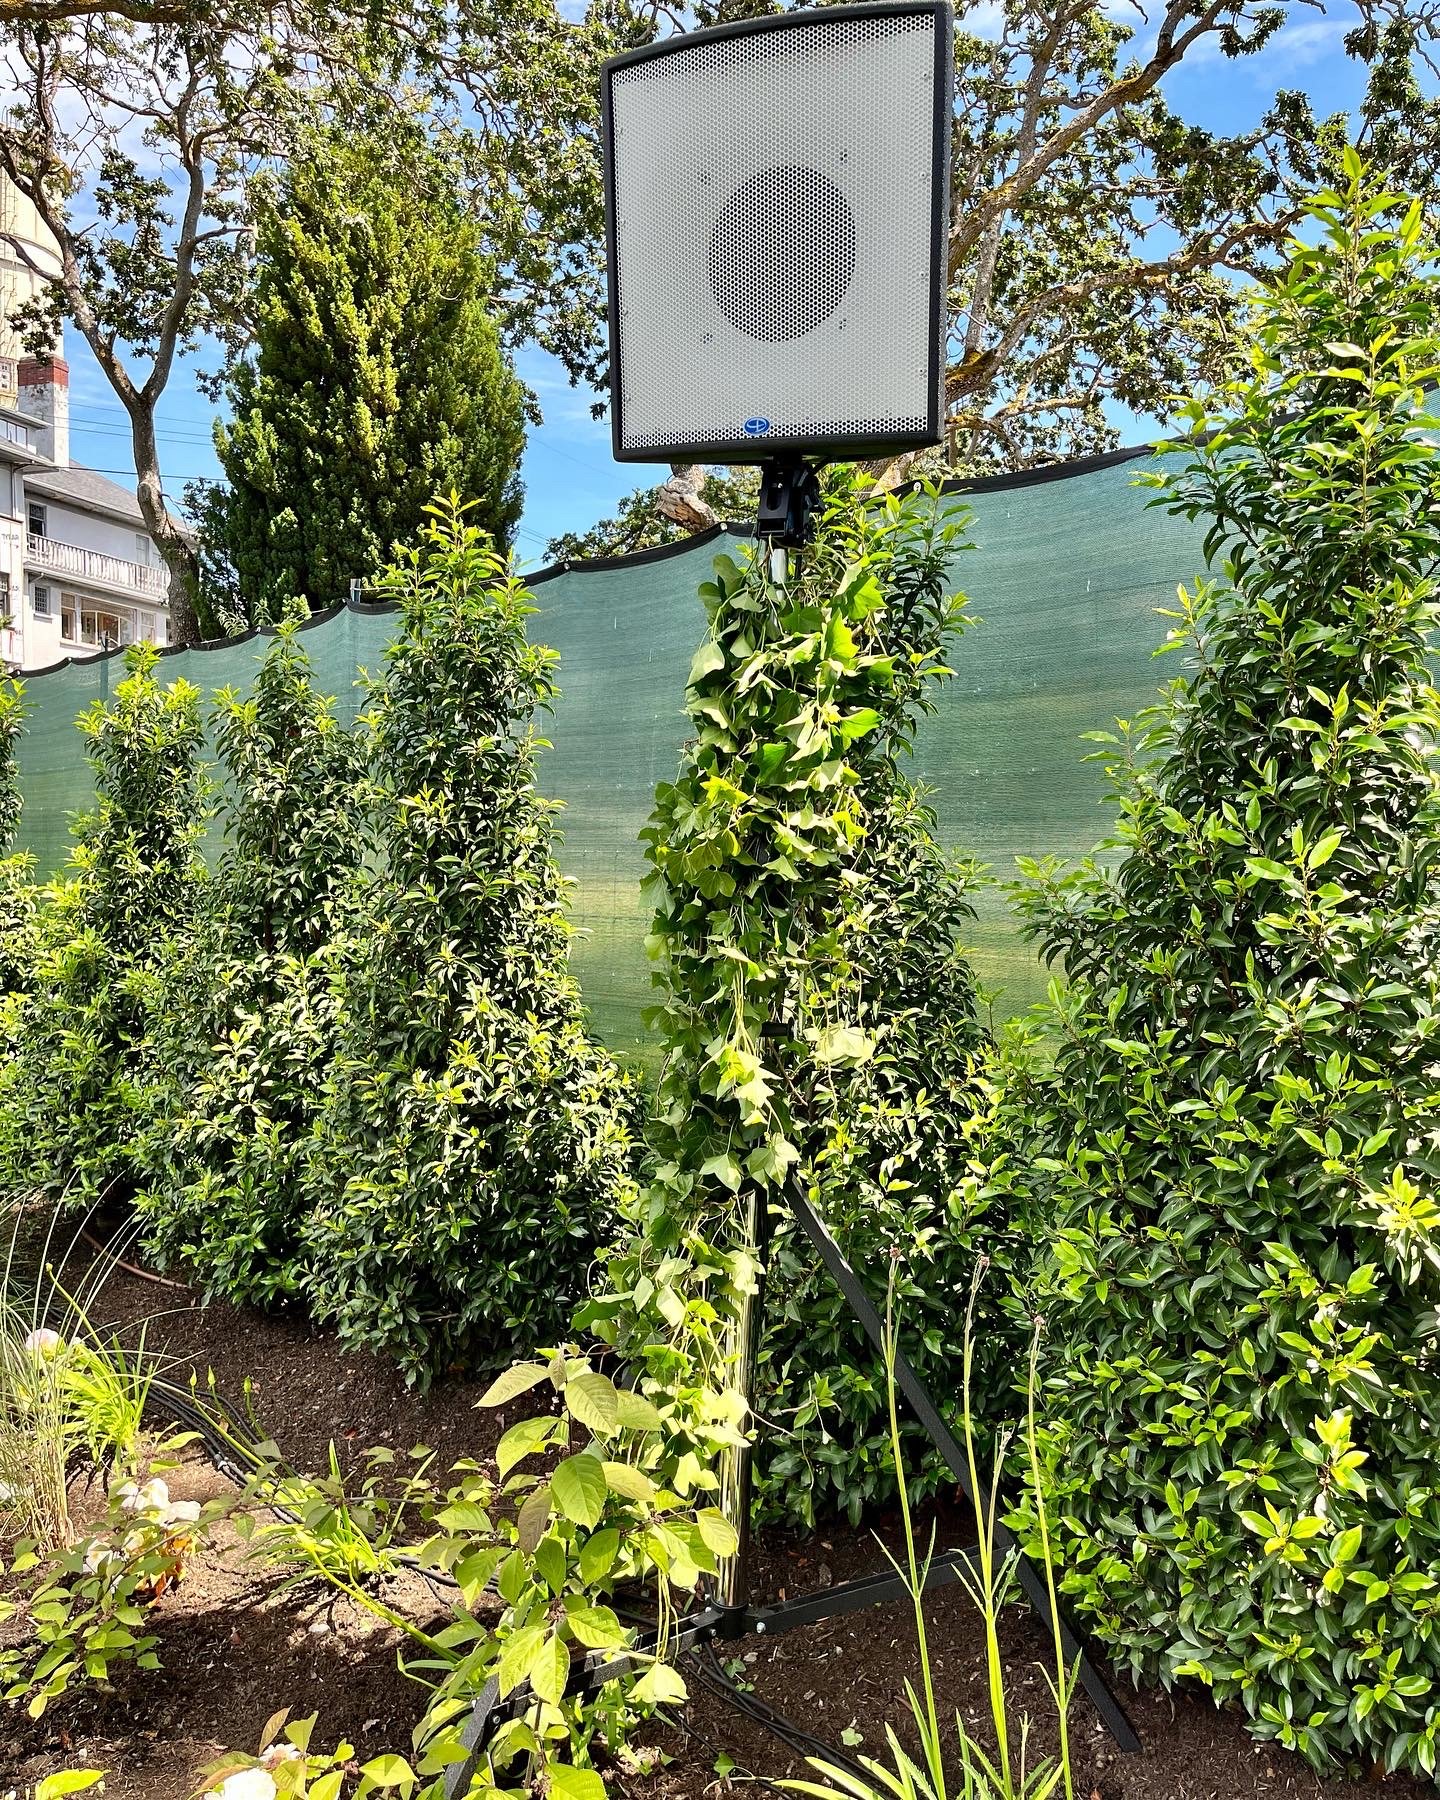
[18,903]
[595,1496]
[68,1092]
[67,1390]
[62,1782]
[86,1604]
[474,1142]
[377,379]
[1240,1126]
[818,1017]
[286,1768]
[246,1026]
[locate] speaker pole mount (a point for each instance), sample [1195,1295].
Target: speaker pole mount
[789,497]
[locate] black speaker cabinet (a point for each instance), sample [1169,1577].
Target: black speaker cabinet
[777,198]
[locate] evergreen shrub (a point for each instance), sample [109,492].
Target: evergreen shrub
[474,1143]
[247,1027]
[377,380]
[70,1094]
[1243,1123]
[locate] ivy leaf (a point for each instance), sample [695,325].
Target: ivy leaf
[708,658]
[841,1044]
[660,1685]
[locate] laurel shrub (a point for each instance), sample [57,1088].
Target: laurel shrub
[1242,1124]
[473,1142]
[248,1019]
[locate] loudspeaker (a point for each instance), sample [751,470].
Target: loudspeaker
[777,200]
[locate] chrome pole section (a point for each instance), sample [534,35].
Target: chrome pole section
[736,1469]
[733,1585]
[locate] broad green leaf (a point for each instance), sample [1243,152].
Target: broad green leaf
[532,1518]
[716,1531]
[596,1627]
[389,1771]
[635,1411]
[630,1483]
[523,1440]
[579,1487]
[592,1399]
[518,1654]
[518,1379]
[597,1555]
[574,1784]
[550,1670]
[67,1781]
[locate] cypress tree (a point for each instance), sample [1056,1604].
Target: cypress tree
[377,380]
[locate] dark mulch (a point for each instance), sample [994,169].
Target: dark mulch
[235,1647]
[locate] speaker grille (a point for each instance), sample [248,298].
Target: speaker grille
[763,287]
[772,237]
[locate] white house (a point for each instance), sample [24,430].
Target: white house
[78,571]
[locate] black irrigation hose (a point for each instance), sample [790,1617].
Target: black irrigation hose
[227,1440]
[715,1680]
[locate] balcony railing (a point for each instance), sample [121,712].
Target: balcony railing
[96,565]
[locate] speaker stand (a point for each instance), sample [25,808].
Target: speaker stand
[735,1614]
[789,497]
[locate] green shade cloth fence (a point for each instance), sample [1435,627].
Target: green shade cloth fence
[1066,575]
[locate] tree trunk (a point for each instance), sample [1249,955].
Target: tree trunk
[176,550]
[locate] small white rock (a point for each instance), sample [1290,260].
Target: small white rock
[245,1784]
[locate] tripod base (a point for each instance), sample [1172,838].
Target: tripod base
[735,1617]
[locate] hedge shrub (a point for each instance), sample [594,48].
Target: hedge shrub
[474,1142]
[1244,1119]
[70,1096]
[248,1023]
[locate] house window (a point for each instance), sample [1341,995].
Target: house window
[38,514]
[82,621]
[142,548]
[42,601]
[4,598]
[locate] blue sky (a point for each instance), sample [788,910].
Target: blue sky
[570,480]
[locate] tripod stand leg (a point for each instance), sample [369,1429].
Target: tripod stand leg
[1031,1580]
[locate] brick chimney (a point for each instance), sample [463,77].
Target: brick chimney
[45,394]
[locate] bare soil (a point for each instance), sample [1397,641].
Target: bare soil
[236,1645]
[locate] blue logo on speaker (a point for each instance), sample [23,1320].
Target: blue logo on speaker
[756,427]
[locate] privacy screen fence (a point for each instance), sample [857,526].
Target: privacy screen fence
[1066,575]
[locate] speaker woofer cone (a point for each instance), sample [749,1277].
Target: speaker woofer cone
[782,253]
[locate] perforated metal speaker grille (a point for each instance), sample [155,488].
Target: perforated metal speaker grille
[771,236]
